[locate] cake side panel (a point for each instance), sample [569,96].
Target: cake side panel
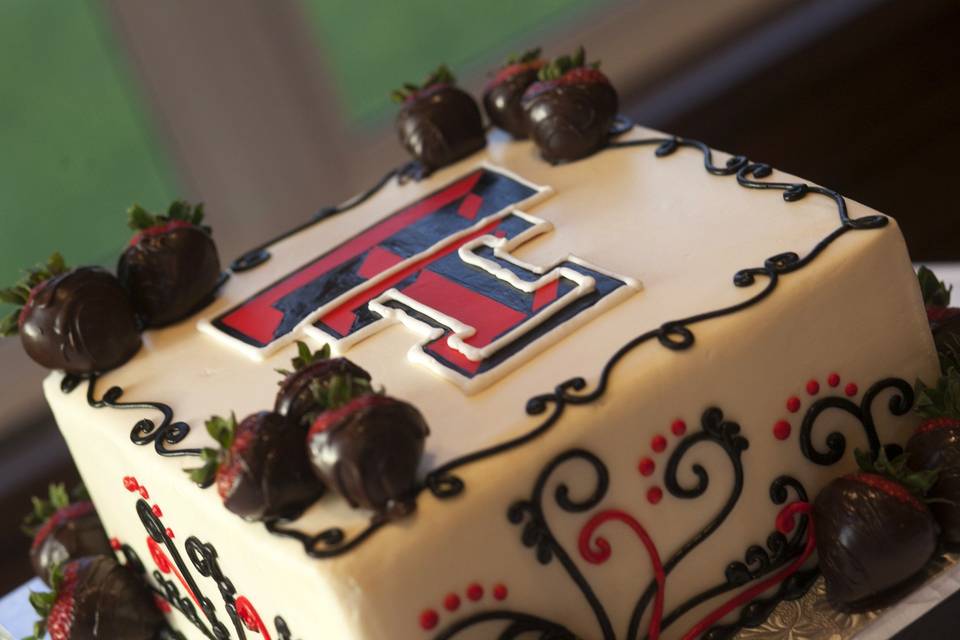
[684,459]
[211,571]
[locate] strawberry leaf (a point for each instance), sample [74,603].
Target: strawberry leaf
[139,219]
[10,324]
[42,602]
[948,349]
[13,295]
[917,482]
[440,75]
[178,210]
[56,577]
[334,392]
[305,357]
[935,293]
[205,474]
[530,55]
[59,498]
[557,67]
[43,510]
[942,400]
[19,293]
[223,430]
[304,353]
[80,493]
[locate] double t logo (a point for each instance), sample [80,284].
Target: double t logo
[441,266]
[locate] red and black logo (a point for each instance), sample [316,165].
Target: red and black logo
[441,265]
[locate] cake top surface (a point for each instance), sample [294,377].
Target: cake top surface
[637,236]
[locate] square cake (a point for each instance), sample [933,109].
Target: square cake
[636,369]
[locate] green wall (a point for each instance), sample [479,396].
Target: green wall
[373,46]
[75,145]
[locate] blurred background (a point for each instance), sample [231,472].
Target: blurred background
[268,111]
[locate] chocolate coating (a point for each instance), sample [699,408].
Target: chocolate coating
[940,449]
[295,400]
[73,532]
[369,451]
[112,602]
[503,104]
[80,322]
[268,473]
[946,334]
[170,275]
[569,122]
[440,125]
[868,541]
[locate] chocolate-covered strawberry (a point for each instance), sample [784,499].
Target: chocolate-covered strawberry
[96,599]
[936,298]
[438,123]
[502,96]
[570,109]
[369,450]
[171,266]
[305,390]
[935,445]
[261,468]
[63,530]
[78,320]
[944,319]
[873,533]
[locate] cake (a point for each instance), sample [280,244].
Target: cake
[637,370]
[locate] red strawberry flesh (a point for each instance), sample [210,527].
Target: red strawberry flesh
[511,70]
[583,75]
[890,487]
[937,423]
[425,92]
[231,468]
[329,418]
[29,303]
[158,230]
[65,514]
[580,75]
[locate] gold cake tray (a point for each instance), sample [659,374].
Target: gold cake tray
[812,618]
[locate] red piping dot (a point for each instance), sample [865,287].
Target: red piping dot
[131,484]
[646,466]
[429,619]
[793,404]
[813,387]
[144,493]
[679,427]
[658,443]
[451,602]
[851,389]
[781,430]
[500,592]
[170,533]
[474,592]
[115,544]
[833,379]
[654,495]
[162,604]
[156,511]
